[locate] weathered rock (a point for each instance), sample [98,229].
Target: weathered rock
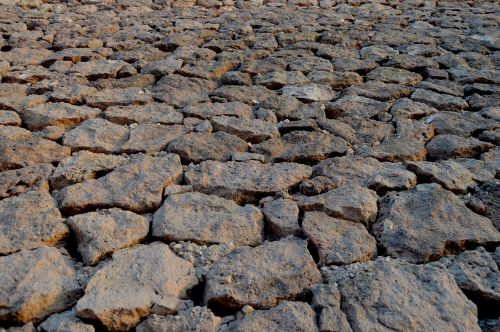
[136,280]
[65,321]
[94,70]
[136,186]
[194,319]
[209,110]
[380,91]
[389,294]
[302,146]
[394,75]
[278,79]
[338,241]
[57,114]
[337,80]
[97,135]
[29,221]
[352,106]
[207,219]
[428,222]
[149,137]
[245,182]
[101,233]
[441,102]
[181,91]
[367,172]
[309,92]
[13,133]
[250,130]
[30,151]
[460,123]
[118,97]
[30,178]
[36,283]
[81,166]
[72,94]
[411,109]
[261,276]
[287,316]
[350,202]
[150,113]
[453,146]
[9,118]
[282,216]
[197,147]
[326,302]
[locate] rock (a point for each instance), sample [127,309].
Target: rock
[94,70]
[246,156]
[352,106]
[30,151]
[380,91]
[20,103]
[338,241]
[367,172]
[74,55]
[65,321]
[302,146]
[452,146]
[207,219]
[194,319]
[350,202]
[310,92]
[354,65]
[411,109]
[57,114]
[441,102]
[9,118]
[150,113]
[13,133]
[476,273]
[180,91]
[278,79]
[319,184]
[128,288]
[245,182]
[197,147]
[460,123]
[428,222]
[30,178]
[72,94]
[394,75]
[29,221]
[390,294]
[136,186]
[250,130]
[118,97]
[101,233]
[488,194]
[442,86]
[287,316]
[36,283]
[326,302]
[377,52]
[209,110]
[261,276]
[81,166]
[97,135]
[149,137]
[337,80]
[282,216]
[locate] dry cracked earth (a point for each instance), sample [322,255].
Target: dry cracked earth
[300,165]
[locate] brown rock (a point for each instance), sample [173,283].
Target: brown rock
[30,178]
[250,130]
[150,113]
[194,319]
[118,97]
[57,114]
[282,216]
[453,146]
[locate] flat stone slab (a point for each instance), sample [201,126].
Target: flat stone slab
[30,178]
[57,114]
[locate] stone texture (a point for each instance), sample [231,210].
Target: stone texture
[101,233]
[195,319]
[427,223]
[57,114]
[36,283]
[250,130]
[282,216]
[133,283]
[310,92]
[261,276]
[245,181]
[453,146]
[30,178]
[29,221]
[65,321]
[118,97]
[207,219]
[149,113]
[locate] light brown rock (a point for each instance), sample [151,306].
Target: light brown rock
[30,178]
[57,114]
[194,319]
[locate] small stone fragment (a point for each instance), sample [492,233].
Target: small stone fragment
[282,216]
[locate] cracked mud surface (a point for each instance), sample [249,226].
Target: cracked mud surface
[276,165]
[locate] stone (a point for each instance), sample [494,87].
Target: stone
[245,182]
[180,91]
[81,166]
[101,233]
[36,283]
[29,221]
[380,91]
[367,172]
[30,178]
[97,135]
[453,146]
[30,151]
[118,97]
[411,109]
[350,202]
[57,114]
[136,186]
[20,103]
[460,123]
[278,79]
[72,94]
[149,113]
[74,55]
[394,75]
[428,222]
[352,105]
[319,184]
[337,80]
[377,52]
[338,241]
[261,276]
[476,273]
[149,137]
[388,294]
[65,321]
[250,130]
[442,87]
[9,118]
[302,146]
[326,303]
[209,110]
[286,316]
[310,92]
[14,133]
[197,147]
[93,70]
[194,319]
[442,102]
[282,217]
[128,288]
[207,219]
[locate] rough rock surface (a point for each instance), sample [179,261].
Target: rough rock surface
[195,319]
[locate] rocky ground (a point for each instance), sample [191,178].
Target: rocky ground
[272,165]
